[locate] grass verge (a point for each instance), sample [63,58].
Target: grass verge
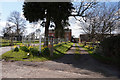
[59,50]
[106,60]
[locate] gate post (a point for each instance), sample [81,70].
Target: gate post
[51,48]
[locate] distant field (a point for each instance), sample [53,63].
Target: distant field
[4,42]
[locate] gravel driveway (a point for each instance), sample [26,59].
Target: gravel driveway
[66,67]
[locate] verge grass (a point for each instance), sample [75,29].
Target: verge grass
[59,51]
[107,60]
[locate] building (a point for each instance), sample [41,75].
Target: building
[67,34]
[86,37]
[83,37]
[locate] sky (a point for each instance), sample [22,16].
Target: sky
[7,7]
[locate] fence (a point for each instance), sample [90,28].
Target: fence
[28,41]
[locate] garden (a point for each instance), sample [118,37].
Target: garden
[32,53]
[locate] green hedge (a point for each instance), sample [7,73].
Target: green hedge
[109,50]
[111,46]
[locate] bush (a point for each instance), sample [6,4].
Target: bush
[16,49]
[24,48]
[34,51]
[45,51]
[111,46]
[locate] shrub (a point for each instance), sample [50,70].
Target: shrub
[16,49]
[110,47]
[24,48]
[45,51]
[34,51]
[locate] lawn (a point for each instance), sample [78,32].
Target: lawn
[59,50]
[5,42]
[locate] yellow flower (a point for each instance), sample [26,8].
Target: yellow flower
[45,47]
[54,45]
[91,47]
[42,48]
[86,46]
[30,47]
[15,46]
[21,45]
[59,43]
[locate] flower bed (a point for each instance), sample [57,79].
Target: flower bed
[32,53]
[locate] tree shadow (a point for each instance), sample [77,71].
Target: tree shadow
[86,62]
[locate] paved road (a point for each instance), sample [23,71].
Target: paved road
[5,49]
[66,67]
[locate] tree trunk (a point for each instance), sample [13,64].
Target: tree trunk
[56,32]
[17,32]
[47,30]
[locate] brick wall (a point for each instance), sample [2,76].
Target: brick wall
[67,34]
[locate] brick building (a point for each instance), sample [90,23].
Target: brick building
[86,37]
[67,35]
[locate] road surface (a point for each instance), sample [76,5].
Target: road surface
[66,67]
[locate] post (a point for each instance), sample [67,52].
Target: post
[22,39]
[51,48]
[44,41]
[40,43]
[48,40]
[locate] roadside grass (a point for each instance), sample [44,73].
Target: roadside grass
[63,47]
[12,55]
[21,56]
[59,51]
[5,42]
[107,60]
[8,44]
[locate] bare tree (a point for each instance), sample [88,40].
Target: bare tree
[101,20]
[81,8]
[108,20]
[16,23]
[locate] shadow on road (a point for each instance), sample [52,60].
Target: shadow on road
[86,62]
